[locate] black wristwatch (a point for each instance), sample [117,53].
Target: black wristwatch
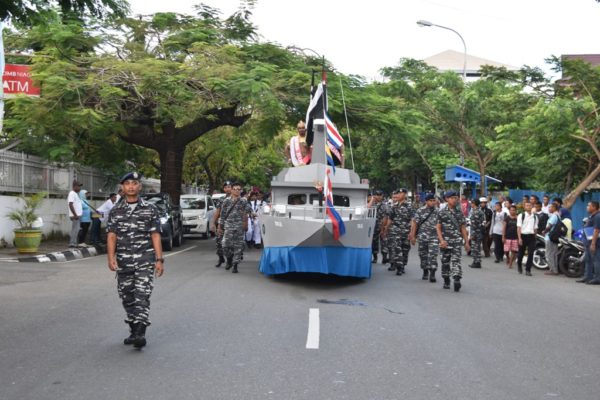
[162,260]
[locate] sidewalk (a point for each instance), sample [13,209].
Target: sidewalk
[51,250]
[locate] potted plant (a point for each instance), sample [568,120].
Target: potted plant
[27,238]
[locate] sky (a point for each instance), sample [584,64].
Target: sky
[360,37]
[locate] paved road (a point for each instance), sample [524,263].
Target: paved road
[216,335]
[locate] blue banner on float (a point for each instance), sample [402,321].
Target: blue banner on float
[342,261]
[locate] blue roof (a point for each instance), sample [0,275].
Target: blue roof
[458,173]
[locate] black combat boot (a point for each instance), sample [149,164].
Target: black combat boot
[425,274]
[399,269]
[475,265]
[235,270]
[385,259]
[229,263]
[140,336]
[392,267]
[432,276]
[446,282]
[374,261]
[221,261]
[457,284]
[129,340]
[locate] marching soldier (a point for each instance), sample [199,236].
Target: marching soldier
[135,253]
[451,230]
[396,229]
[377,201]
[424,227]
[477,220]
[227,191]
[233,222]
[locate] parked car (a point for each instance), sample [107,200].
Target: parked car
[197,210]
[171,222]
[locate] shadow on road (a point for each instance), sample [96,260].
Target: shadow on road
[317,281]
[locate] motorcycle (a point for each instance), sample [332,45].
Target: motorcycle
[570,258]
[539,255]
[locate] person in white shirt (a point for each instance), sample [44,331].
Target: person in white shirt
[527,223]
[75,211]
[253,235]
[546,204]
[103,210]
[497,230]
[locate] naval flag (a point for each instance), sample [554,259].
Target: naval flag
[339,229]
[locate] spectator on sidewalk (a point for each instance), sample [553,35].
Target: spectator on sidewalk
[546,204]
[534,200]
[591,275]
[510,237]
[526,227]
[75,211]
[542,218]
[565,216]
[103,212]
[551,247]
[464,205]
[487,213]
[497,230]
[86,217]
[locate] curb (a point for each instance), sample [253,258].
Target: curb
[61,256]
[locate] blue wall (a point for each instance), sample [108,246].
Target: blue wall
[578,211]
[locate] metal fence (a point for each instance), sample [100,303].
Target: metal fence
[26,174]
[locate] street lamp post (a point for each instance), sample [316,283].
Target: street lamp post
[428,24]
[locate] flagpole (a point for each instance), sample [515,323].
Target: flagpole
[2,64]
[347,125]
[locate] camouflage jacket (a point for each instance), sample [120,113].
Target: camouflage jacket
[451,220]
[426,219]
[234,213]
[134,230]
[401,215]
[477,221]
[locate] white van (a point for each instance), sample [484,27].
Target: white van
[196,209]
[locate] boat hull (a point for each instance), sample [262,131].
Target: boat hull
[305,245]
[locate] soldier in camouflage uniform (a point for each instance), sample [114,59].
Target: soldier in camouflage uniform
[452,231]
[219,239]
[233,222]
[477,221]
[135,253]
[380,209]
[424,226]
[397,229]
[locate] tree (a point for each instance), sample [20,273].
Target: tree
[158,83]
[29,12]
[462,117]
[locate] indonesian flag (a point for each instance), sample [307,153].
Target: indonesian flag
[339,229]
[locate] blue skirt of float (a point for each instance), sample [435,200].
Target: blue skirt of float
[342,261]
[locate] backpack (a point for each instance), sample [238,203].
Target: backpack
[558,231]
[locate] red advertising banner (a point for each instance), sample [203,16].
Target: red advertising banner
[17,80]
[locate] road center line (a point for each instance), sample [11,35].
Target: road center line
[312,340]
[180,251]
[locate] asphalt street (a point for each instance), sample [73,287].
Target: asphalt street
[216,335]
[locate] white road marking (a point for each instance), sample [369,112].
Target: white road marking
[312,340]
[180,251]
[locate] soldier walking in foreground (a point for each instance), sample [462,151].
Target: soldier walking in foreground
[477,221]
[135,253]
[424,227]
[233,222]
[396,229]
[219,240]
[451,232]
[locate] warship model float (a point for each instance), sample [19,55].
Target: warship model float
[309,230]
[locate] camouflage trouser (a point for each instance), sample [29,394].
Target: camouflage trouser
[134,285]
[219,245]
[376,240]
[428,252]
[476,248]
[233,243]
[451,260]
[399,247]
